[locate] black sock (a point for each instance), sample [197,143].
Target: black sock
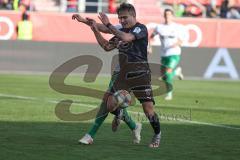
[154,121]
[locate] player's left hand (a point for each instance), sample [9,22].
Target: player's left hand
[78,17]
[92,23]
[103,17]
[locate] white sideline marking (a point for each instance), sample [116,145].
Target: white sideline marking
[137,113]
[17,97]
[45,100]
[193,122]
[209,124]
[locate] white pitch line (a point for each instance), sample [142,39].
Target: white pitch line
[209,124]
[17,97]
[193,122]
[136,113]
[45,100]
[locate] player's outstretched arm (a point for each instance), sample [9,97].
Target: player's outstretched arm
[100,39]
[127,37]
[101,27]
[79,18]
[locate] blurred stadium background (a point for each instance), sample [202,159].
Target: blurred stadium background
[201,122]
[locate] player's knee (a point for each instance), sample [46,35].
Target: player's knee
[148,108]
[105,96]
[169,70]
[166,72]
[111,103]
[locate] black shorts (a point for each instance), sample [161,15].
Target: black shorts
[138,82]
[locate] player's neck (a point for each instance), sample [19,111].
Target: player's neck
[133,24]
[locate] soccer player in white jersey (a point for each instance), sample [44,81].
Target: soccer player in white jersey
[171,36]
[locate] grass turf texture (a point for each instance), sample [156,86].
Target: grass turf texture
[29,128]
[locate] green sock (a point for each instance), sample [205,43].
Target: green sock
[101,116]
[128,120]
[169,79]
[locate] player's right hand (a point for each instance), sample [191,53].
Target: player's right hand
[104,18]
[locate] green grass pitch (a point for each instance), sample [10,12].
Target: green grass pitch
[201,122]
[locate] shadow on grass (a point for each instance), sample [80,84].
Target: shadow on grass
[39,140]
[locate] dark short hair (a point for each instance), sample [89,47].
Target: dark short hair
[126,7]
[168,10]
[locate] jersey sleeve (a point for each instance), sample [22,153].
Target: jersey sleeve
[140,32]
[114,41]
[118,26]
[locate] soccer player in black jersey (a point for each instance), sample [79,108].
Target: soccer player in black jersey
[131,41]
[120,114]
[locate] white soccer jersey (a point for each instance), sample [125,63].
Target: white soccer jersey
[169,35]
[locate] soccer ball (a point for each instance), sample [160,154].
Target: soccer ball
[123,98]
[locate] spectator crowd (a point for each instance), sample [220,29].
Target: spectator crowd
[182,8]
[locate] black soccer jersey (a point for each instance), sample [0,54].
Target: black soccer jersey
[136,50]
[134,74]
